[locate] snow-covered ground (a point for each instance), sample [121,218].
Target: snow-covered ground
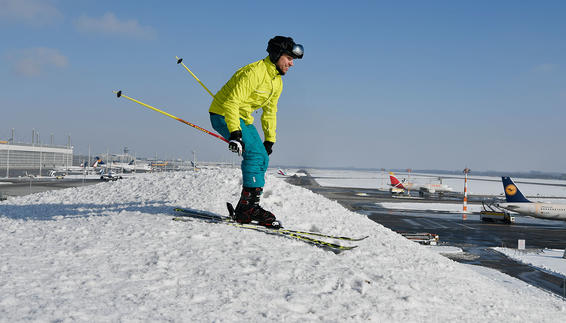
[110,252]
[547,259]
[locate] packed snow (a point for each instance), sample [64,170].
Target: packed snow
[110,252]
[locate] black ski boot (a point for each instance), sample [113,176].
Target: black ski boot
[248,209]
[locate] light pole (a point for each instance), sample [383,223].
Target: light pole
[8,162]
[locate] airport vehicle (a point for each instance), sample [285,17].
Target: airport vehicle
[404,185]
[110,177]
[517,202]
[57,175]
[492,213]
[159,164]
[421,237]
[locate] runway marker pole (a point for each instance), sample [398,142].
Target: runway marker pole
[465,207]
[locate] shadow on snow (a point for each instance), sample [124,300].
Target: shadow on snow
[52,211]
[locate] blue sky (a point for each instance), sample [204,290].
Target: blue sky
[413,84]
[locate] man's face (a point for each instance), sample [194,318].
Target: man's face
[284,63]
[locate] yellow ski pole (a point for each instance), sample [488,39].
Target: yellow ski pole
[180,61]
[119,94]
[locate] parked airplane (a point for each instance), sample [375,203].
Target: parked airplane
[98,162]
[130,167]
[401,186]
[287,173]
[82,169]
[517,202]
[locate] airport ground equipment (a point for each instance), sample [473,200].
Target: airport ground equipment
[422,237]
[120,94]
[110,177]
[492,213]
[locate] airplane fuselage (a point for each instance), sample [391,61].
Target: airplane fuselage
[431,188]
[549,211]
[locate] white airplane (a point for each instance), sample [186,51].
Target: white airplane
[82,169]
[286,173]
[401,186]
[130,167]
[517,202]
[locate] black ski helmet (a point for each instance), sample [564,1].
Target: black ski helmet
[281,44]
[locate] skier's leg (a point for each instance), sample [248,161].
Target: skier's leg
[255,162]
[254,167]
[219,124]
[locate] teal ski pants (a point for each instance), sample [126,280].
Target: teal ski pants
[255,162]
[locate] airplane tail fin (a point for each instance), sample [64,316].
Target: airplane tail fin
[395,182]
[512,193]
[98,161]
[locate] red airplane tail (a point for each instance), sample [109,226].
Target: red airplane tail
[395,182]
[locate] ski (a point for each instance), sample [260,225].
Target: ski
[316,242]
[215,218]
[209,215]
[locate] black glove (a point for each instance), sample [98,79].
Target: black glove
[268,147]
[236,143]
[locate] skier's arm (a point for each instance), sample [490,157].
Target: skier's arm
[269,119]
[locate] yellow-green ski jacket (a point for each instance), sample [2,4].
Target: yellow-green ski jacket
[254,86]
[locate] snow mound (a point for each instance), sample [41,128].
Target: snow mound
[110,252]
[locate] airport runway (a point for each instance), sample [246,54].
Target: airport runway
[473,236]
[24,185]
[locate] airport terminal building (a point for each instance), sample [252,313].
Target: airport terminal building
[34,159]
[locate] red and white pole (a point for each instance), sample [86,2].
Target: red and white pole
[465,207]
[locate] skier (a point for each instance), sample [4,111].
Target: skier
[254,86]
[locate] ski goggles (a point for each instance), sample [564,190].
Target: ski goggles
[298,51]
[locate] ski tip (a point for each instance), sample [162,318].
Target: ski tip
[119,93]
[344,248]
[179,60]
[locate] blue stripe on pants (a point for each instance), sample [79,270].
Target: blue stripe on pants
[255,160]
